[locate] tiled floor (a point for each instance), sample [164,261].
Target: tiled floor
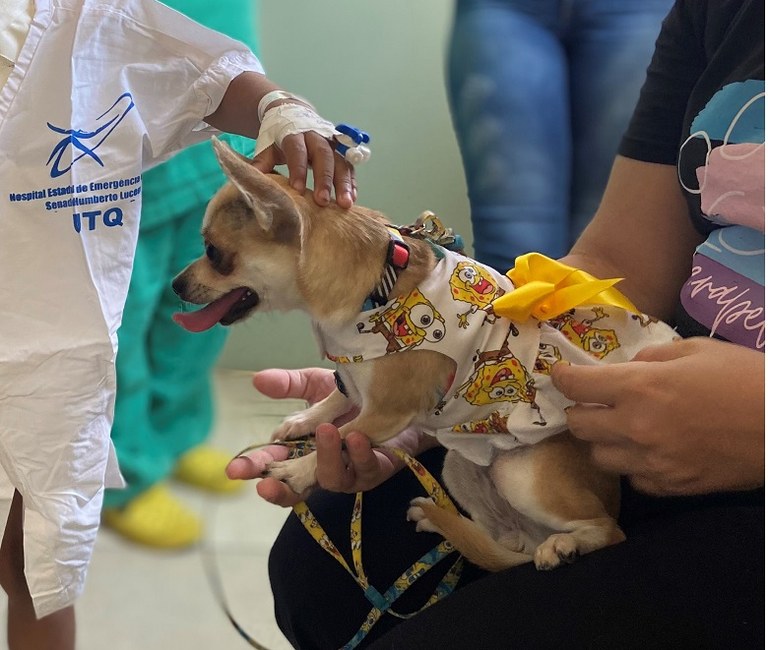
[139,599]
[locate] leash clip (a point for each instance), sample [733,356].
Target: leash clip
[430,228]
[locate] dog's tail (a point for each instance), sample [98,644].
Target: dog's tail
[472,541]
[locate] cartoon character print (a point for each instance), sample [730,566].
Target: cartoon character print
[499,376]
[548,356]
[407,323]
[594,340]
[474,285]
[494,423]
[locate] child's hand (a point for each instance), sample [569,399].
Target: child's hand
[292,133]
[288,131]
[329,170]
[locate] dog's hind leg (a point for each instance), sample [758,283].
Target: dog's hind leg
[491,537]
[467,536]
[585,536]
[569,507]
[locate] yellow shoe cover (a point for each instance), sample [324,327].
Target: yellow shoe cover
[204,467]
[155,518]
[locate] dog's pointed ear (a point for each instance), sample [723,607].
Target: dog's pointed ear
[264,197]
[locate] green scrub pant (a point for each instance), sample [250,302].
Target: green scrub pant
[164,403]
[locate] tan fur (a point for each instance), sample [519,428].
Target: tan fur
[545,503]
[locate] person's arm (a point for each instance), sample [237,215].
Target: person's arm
[641,232]
[682,418]
[238,113]
[181,73]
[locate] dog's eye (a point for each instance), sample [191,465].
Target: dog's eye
[213,254]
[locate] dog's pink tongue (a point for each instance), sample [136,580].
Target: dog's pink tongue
[205,318]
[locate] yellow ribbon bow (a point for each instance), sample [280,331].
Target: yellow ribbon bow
[545,288]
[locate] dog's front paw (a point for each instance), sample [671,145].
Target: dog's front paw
[417,513]
[297,425]
[556,550]
[299,474]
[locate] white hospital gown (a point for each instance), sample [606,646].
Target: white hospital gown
[100,91]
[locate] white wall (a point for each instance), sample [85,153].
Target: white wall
[379,66]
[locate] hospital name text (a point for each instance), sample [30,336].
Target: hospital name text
[134,183]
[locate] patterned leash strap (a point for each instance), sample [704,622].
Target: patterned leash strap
[381,602]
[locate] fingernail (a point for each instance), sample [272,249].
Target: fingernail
[324,197]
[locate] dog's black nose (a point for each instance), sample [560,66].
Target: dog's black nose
[179,285]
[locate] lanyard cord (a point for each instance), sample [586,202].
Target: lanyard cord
[212,570]
[381,603]
[214,580]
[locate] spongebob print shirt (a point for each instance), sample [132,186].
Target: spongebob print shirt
[501,396]
[100,90]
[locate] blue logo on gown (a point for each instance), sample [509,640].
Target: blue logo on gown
[87,142]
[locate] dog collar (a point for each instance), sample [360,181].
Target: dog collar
[428,228]
[398,255]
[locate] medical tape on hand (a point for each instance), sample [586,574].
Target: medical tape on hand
[290,119]
[274,96]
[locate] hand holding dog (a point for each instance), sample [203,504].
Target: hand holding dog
[681,418]
[354,469]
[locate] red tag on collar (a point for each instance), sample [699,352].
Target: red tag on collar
[398,254]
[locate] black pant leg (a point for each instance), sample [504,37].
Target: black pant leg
[318,605]
[690,575]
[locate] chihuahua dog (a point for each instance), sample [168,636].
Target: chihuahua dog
[416,342]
